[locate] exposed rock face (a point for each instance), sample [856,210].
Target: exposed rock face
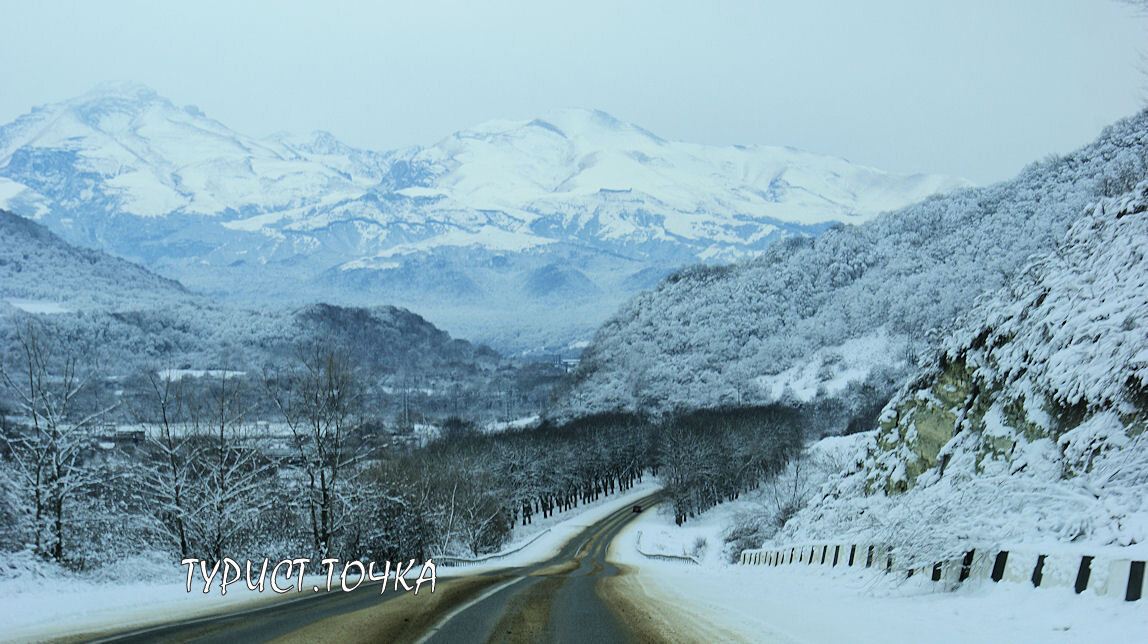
[1055,364]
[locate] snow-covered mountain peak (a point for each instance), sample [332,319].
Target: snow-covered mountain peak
[597,125]
[315,142]
[110,98]
[118,106]
[148,157]
[567,160]
[111,113]
[490,209]
[558,131]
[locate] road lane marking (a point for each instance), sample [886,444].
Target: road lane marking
[609,523]
[457,611]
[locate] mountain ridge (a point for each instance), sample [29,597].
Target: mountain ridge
[845,316]
[289,217]
[36,265]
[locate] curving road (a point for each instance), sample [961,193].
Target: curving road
[557,600]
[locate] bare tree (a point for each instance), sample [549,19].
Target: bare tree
[483,520]
[171,479]
[236,473]
[47,382]
[321,403]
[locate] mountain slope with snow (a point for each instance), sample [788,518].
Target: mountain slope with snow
[39,272]
[1029,426]
[460,230]
[128,322]
[845,315]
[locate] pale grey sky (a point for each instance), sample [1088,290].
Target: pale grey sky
[973,88]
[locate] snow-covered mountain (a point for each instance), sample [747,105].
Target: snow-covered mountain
[554,220]
[137,322]
[39,272]
[843,318]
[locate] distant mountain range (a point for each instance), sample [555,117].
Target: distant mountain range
[515,233]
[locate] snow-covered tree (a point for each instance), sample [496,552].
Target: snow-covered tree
[233,473]
[171,477]
[321,402]
[48,382]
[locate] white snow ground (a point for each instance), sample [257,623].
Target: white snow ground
[40,601]
[819,604]
[46,307]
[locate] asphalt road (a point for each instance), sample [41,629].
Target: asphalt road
[557,600]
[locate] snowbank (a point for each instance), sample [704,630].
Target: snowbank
[42,600]
[719,601]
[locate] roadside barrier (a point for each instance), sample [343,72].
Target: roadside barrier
[662,556]
[449,561]
[1113,577]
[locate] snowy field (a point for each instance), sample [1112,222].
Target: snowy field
[46,307]
[721,601]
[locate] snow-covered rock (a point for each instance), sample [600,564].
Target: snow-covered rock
[1030,426]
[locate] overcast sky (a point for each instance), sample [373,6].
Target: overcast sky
[972,88]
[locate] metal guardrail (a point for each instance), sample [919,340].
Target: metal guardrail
[1110,576]
[446,560]
[662,556]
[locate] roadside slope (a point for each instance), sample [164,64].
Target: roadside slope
[1029,426]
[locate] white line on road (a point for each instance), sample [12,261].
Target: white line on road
[455,613]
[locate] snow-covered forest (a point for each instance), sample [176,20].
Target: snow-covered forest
[202,473]
[845,315]
[1026,424]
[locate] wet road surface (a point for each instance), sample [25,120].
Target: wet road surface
[557,600]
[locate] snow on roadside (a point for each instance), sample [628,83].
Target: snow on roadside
[562,528]
[43,601]
[820,604]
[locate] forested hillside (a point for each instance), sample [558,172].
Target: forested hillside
[130,323]
[39,269]
[843,316]
[1029,424]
